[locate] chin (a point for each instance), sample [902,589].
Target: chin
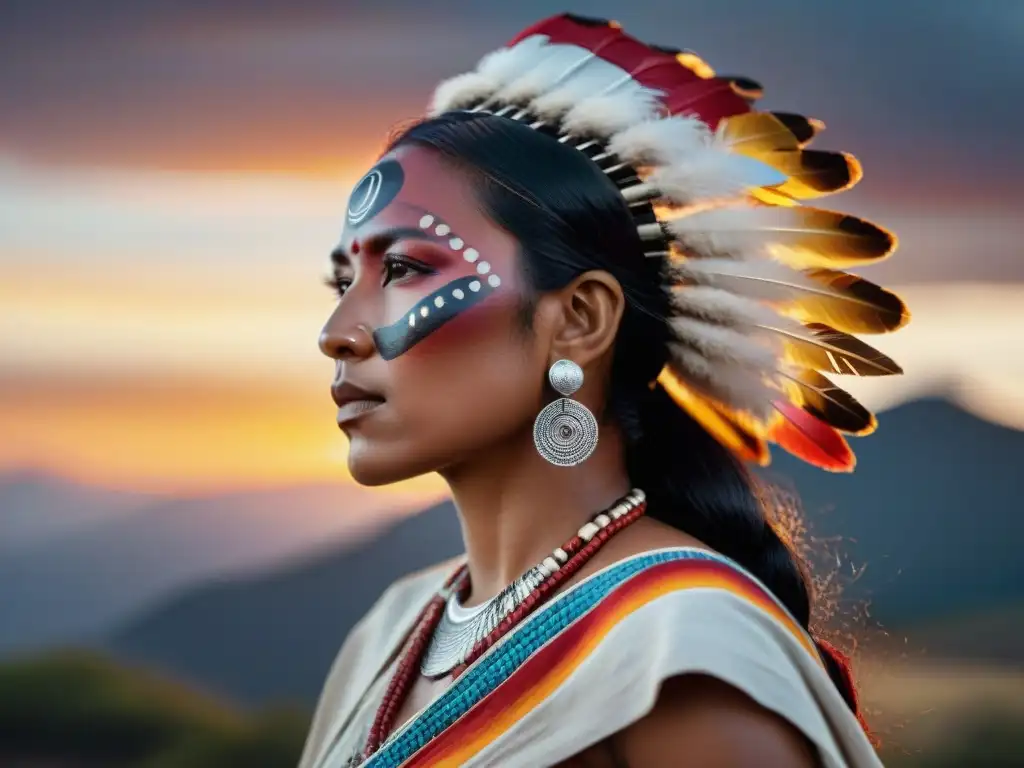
[374,466]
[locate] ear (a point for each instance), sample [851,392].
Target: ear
[587,319]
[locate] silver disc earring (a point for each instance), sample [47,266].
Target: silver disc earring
[565,432]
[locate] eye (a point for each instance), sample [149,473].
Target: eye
[397,267]
[339,283]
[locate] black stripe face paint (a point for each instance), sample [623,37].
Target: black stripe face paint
[429,314]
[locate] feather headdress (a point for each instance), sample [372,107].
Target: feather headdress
[761,306]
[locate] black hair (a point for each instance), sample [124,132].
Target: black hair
[569,217]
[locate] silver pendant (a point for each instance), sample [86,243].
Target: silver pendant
[454,640]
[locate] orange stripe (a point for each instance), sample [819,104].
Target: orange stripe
[548,668]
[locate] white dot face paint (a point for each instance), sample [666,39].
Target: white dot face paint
[445,303]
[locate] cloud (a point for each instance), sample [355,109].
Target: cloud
[923,91]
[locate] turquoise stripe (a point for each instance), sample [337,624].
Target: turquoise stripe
[496,667]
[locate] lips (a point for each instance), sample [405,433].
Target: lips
[353,401]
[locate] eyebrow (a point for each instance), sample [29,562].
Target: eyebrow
[384,239]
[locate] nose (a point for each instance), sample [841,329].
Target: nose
[346,342]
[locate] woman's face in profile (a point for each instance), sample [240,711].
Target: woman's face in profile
[431,361]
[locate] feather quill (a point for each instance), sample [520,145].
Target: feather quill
[844,301]
[830,404]
[822,348]
[803,238]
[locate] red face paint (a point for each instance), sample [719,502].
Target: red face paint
[448,256]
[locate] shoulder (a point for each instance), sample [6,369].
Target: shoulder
[707,648]
[712,723]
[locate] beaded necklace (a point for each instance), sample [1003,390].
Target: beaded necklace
[559,566]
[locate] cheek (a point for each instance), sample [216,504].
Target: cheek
[478,358]
[472,331]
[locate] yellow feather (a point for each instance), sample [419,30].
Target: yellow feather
[755,132]
[742,440]
[827,402]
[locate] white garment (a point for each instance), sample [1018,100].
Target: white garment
[709,628]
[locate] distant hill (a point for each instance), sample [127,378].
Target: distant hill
[68,587]
[35,507]
[273,636]
[933,511]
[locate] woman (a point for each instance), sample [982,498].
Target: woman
[582,292]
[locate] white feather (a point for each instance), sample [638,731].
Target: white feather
[461,91]
[730,232]
[757,350]
[612,113]
[718,306]
[658,142]
[550,67]
[735,386]
[706,175]
[554,104]
[762,279]
[506,64]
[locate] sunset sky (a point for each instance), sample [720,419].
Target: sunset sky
[172,176]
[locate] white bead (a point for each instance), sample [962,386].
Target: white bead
[442,229]
[424,311]
[588,531]
[474,286]
[483,267]
[456,243]
[412,320]
[542,570]
[551,564]
[471,255]
[438,302]
[458,294]
[426,221]
[560,555]
[602,520]
[494,281]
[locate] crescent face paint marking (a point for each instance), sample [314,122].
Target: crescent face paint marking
[375,191]
[444,304]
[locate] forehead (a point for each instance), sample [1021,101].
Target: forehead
[409,182]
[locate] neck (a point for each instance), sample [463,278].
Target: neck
[515,507]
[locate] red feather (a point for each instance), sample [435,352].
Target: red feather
[810,439]
[685,92]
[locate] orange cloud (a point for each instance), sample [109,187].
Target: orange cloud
[176,435]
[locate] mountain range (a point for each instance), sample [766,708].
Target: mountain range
[931,512]
[77,559]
